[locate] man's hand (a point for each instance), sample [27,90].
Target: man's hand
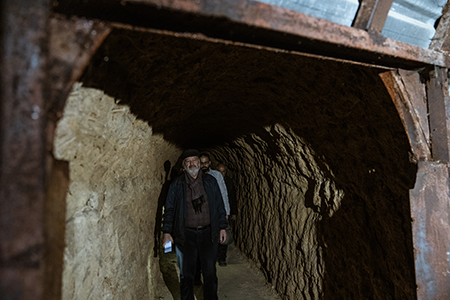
[167,237]
[223,236]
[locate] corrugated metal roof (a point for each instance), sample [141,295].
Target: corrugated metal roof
[408,21]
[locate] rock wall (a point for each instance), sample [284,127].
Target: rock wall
[282,193]
[314,235]
[117,169]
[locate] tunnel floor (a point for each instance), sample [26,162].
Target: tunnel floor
[238,280]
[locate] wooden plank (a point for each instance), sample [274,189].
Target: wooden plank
[261,24]
[431,230]
[409,97]
[22,149]
[372,14]
[438,104]
[40,59]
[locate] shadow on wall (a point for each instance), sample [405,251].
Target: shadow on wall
[159,211]
[207,95]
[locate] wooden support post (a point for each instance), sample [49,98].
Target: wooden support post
[40,60]
[408,95]
[438,107]
[23,148]
[372,14]
[428,134]
[431,230]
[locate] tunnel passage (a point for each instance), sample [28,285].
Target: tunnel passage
[316,148]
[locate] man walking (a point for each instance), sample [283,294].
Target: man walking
[195,221]
[205,165]
[222,254]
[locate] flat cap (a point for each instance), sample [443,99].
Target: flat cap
[189,153]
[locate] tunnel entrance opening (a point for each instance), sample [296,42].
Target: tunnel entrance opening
[316,147]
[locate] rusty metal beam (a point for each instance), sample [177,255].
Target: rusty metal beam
[259,24]
[438,106]
[372,14]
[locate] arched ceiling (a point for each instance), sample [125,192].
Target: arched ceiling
[203,94]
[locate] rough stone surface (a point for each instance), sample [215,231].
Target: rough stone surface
[116,174]
[314,238]
[283,195]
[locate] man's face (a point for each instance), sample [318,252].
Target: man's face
[204,163]
[192,165]
[222,170]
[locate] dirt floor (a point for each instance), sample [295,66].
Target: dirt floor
[238,280]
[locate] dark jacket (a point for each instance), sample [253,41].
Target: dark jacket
[175,209]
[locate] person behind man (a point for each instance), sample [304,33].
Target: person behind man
[205,164]
[195,222]
[222,251]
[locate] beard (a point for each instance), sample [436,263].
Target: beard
[193,172]
[205,169]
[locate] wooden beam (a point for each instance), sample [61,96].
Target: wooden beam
[257,23]
[372,14]
[431,230]
[408,94]
[438,106]
[22,148]
[40,59]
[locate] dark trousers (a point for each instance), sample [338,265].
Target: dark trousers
[222,252]
[198,245]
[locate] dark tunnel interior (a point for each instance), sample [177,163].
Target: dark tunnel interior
[207,94]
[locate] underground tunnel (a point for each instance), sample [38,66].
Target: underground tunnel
[316,148]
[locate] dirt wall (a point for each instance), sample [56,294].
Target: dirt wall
[117,169]
[282,193]
[313,234]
